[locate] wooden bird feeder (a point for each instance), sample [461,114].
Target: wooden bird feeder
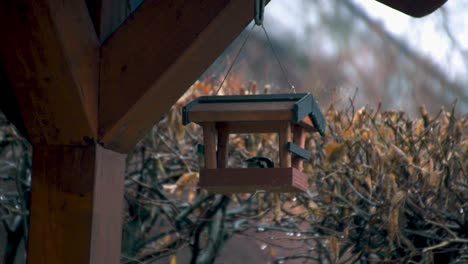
[289,115]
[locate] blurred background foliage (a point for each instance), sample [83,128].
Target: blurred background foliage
[335,49]
[386,185]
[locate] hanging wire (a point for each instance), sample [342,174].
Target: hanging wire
[235,58]
[292,89]
[259,6]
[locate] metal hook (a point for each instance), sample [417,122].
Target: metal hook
[259,9]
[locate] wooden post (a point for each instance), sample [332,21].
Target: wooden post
[223,140]
[298,139]
[77,203]
[284,137]
[209,140]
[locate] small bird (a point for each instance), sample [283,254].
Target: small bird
[259,162]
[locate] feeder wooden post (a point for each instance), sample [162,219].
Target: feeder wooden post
[223,138]
[209,140]
[298,139]
[284,136]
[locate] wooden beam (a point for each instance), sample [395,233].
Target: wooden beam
[77,203]
[222,143]
[50,55]
[154,58]
[209,141]
[415,8]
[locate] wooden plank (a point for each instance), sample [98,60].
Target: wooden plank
[233,116]
[77,202]
[209,142]
[415,8]
[216,112]
[223,142]
[155,56]
[50,54]
[244,107]
[240,180]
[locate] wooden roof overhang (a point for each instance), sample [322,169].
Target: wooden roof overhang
[256,112]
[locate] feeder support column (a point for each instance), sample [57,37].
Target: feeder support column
[284,135]
[209,140]
[298,139]
[223,138]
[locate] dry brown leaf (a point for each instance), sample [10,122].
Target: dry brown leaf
[389,185]
[326,198]
[312,205]
[387,133]
[464,147]
[165,240]
[398,199]
[399,154]
[191,196]
[365,135]
[188,178]
[173,259]
[273,252]
[392,224]
[277,202]
[418,127]
[334,247]
[368,180]
[358,116]
[394,214]
[348,134]
[335,151]
[174,121]
[435,178]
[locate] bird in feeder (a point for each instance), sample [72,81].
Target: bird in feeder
[259,162]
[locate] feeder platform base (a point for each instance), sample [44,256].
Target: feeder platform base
[241,180]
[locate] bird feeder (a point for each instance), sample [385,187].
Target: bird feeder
[289,115]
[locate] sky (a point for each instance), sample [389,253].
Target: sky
[425,34]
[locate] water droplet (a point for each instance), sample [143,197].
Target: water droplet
[311,248]
[342,237]
[17,206]
[461,211]
[298,234]
[290,234]
[263,246]
[2,198]
[294,198]
[260,229]
[280,262]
